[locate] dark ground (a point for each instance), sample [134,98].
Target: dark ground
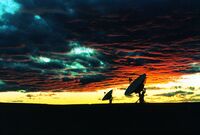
[99,119]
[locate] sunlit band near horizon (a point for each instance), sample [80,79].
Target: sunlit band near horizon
[171,94]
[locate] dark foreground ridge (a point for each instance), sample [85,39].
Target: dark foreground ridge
[102,119]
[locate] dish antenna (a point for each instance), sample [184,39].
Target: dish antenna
[137,86]
[108,96]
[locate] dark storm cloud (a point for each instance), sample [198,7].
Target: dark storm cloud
[92,79]
[37,41]
[171,94]
[9,86]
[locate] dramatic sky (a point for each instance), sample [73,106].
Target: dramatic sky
[87,45]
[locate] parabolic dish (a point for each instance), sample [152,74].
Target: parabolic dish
[136,86]
[108,96]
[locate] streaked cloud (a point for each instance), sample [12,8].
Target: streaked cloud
[171,94]
[90,45]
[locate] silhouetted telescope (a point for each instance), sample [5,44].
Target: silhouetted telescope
[108,96]
[136,86]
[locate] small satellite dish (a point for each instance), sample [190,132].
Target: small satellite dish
[108,96]
[136,86]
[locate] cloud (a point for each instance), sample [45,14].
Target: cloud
[8,7]
[7,28]
[79,62]
[46,44]
[195,68]
[172,94]
[2,83]
[92,79]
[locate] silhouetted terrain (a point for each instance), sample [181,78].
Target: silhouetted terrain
[98,119]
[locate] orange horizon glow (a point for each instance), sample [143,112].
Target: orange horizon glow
[159,93]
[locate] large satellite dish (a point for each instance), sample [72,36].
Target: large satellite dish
[136,86]
[108,96]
